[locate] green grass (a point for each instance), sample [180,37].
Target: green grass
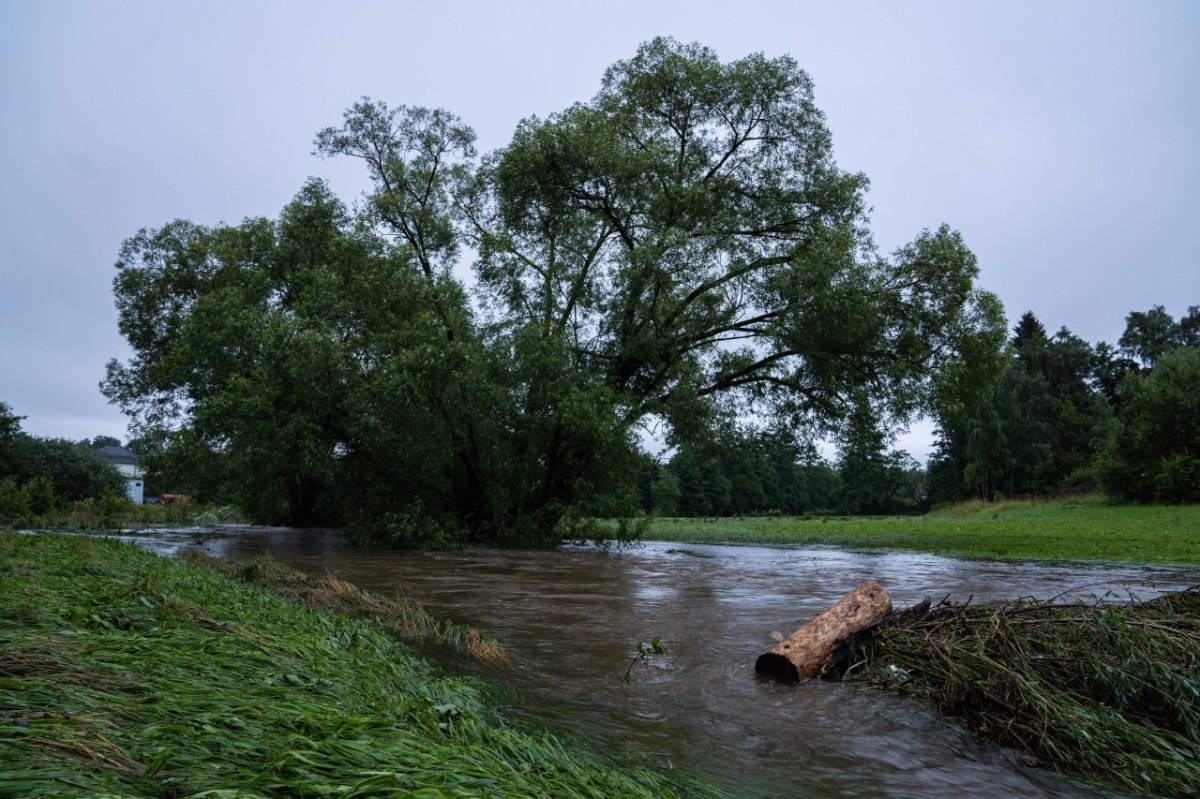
[1069,529]
[117,513]
[401,618]
[124,674]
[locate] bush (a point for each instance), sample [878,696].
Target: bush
[40,492]
[410,528]
[74,472]
[14,502]
[1155,453]
[1178,479]
[111,507]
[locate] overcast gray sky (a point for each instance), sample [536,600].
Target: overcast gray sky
[1061,138]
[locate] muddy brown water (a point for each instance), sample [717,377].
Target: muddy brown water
[571,620]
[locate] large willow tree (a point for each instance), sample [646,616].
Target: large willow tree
[680,250]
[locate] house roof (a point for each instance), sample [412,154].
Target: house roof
[119,456]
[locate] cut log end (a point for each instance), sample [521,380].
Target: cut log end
[776,666]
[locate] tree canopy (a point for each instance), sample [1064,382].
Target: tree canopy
[1052,413]
[680,250]
[10,423]
[1154,455]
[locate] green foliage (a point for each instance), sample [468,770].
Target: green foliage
[409,528]
[124,514]
[642,654]
[1188,328]
[112,505]
[1178,478]
[73,471]
[1155,453]
[28,504]
[1109,368]
[681,249]
[879,483]
[1059,415]
[1150,334]
[308,352]
[40,491]
[10,423]
[1033,421]
[874,481]
[666,493]
[14,502]
[740,473]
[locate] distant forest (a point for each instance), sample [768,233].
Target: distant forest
[679,253]
[1051,415]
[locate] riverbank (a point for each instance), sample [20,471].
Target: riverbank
[1107,691]
[1083,528]
[125,674]
[118,513]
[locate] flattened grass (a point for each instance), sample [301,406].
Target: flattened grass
[1109,691]
[124,674]
[406,620]
[1070,529]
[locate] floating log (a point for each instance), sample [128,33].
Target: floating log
[805,653]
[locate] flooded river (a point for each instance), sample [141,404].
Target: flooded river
[571,620]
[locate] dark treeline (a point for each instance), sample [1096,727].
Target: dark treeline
[680,251]
[1055,414]
[41,475]
[769,473]
[1043,415]
[743,474]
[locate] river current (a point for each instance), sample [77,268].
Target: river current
[571,620]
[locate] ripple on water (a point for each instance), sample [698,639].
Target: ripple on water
[572,619]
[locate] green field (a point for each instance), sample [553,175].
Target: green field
[124,674]
[1068,529]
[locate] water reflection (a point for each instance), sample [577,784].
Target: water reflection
[571,619]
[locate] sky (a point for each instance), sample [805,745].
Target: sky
[1062,139]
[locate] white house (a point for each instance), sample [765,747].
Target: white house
[126,463]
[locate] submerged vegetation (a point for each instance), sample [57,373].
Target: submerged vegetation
[403,619]
[1083,528]
[1109,691]
[124,674]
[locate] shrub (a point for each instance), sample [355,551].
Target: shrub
[1178,479]
[1155,454]
[409,528]
[14,502]
[111,507]
[40,492]
[74,472]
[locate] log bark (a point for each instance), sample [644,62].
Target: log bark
[805,653]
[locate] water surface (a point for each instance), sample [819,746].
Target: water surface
[571,620]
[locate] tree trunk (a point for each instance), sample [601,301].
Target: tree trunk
[805,653]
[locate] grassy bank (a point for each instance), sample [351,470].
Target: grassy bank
[123,674]
[401,618]
[1108,691]
[117,513]
[1075,529]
